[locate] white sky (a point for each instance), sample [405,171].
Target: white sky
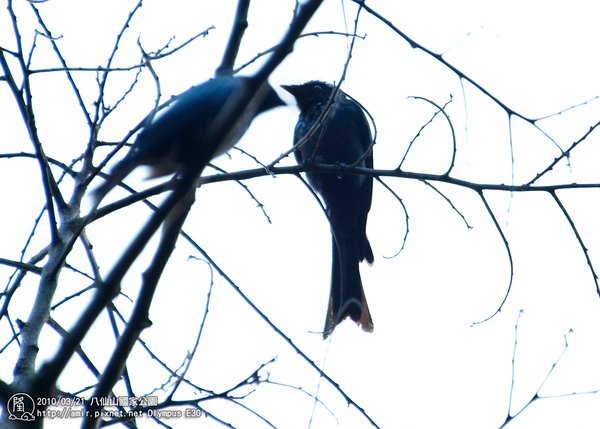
[425,365]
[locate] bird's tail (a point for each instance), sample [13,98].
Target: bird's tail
[118,173]
[347,296]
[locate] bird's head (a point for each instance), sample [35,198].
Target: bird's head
[310,94]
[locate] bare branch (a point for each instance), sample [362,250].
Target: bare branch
[579,239]
[450,203]
[260,205]
[443,112]
[279,332]
[461,75]
[406,217]
[238,29]
[508,254]
[52,369]
[536,396]
[139,319]
[65,68]
[20,265]
[312,34]
[564,154]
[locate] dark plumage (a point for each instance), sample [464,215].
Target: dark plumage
[342,136]
[181,140]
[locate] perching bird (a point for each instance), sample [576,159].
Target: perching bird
[341,136]
[181,139]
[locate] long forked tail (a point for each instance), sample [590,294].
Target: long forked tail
[347,296]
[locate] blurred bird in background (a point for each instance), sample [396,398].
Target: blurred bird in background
[336,131]
[181,138]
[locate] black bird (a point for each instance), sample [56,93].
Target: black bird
[339,135]
[181,140]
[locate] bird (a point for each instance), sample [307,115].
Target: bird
[184,137]
[336,131]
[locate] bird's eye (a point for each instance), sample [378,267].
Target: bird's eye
[318,88]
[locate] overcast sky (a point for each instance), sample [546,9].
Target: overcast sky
[426,364]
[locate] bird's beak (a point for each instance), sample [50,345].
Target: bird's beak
[292,89]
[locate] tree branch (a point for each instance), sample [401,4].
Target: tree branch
[238,29]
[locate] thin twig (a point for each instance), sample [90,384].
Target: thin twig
[450,203]
[406,217]
[441,110]
[508,254]
[536,396]
[579,239]
[564,154]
